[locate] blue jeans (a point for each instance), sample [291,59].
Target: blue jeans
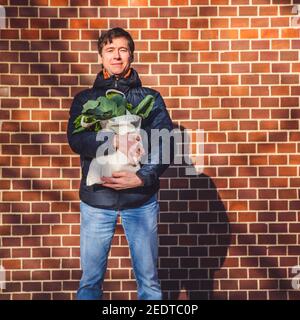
[96,233]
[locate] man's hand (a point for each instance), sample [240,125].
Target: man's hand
[122,180]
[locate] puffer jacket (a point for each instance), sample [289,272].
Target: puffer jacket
[85,144]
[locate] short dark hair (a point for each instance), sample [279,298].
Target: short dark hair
[113,33]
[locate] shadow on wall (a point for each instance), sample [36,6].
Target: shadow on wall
[194,236]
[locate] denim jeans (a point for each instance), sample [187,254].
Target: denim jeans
[96,233]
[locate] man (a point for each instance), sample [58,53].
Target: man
[132,195]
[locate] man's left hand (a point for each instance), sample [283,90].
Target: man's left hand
[122,180]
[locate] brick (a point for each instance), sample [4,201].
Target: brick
[248,10]
[249,34]
[289,33]
[260,44]
[212,56]
[230,34]
[288,55]
[208,11]
[220,45]
[11,264]
[228,11]
[240,68]
[269,33]
[213,34]
[260,22]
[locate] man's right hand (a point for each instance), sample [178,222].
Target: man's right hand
[131,145]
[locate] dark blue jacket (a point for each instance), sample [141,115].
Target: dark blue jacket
[85,144]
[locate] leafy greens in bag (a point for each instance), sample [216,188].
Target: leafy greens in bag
[114,104]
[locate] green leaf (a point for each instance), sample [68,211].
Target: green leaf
[77,121]
[129,106]
[88,119]
[121,111]
[144,107]
[90,105]
[78,130]
[118,99]
[97,126]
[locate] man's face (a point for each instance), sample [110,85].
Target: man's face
[115,56]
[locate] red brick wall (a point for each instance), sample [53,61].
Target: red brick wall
[230,67]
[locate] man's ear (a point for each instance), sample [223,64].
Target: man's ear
[100,59]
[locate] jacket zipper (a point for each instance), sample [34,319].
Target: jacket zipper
[118,201]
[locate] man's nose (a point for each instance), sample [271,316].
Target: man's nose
[117,54]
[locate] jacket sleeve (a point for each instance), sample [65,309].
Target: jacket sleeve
[158,119]
[84,143]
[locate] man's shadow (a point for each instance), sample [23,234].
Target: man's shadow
[194,236]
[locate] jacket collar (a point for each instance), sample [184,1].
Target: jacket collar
[130,80]
[106,75]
